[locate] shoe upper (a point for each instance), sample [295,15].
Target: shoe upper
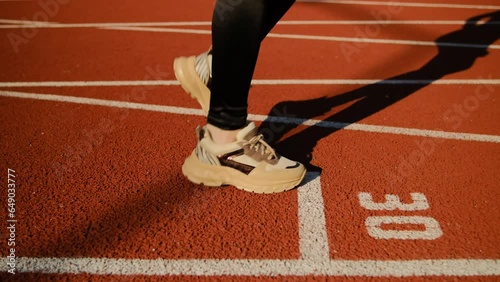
[247,154]
[203,66]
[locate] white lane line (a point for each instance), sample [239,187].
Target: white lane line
[312,222]
[375,81]
[100,102]
[115,83]
[90,83]
[293,36]
[104,25]
[27,24]
[388,22]
[381,129]
[405,4]
[298,121]
[381,41]
[242,267]
[159,29]
[319,37]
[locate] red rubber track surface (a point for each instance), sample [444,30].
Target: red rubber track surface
[104,182]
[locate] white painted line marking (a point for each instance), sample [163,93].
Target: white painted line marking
[319,37]
[106,103]
[381,41]
[308,122]
[90,83]
[374,81]
[381,129]
[405,4]
[312,222]
[160,29]
[25,24]
[103,25]
[242,267]
[114,83]
[137,27]
[388,22]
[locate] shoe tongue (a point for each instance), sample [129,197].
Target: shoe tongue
[247,132]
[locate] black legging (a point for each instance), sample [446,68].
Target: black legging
[238,27]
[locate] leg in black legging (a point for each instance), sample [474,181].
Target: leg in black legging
[238,27]
[275,10]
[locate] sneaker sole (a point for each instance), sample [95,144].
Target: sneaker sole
[210,175]
[185,73]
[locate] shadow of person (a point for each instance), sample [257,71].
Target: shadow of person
[457,51]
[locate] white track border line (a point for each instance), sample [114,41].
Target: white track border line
[115,83]
[312,221]
[298,121]
[242,267]
[314,259]
[404,4]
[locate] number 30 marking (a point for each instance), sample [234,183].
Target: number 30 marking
[392,202]
[432,229]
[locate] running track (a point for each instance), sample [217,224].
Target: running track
[394,109]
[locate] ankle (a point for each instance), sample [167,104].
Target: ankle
[221,136]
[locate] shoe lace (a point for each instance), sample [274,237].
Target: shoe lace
[258,144]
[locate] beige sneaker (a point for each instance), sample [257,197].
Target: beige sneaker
[249,164]
[195,74]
